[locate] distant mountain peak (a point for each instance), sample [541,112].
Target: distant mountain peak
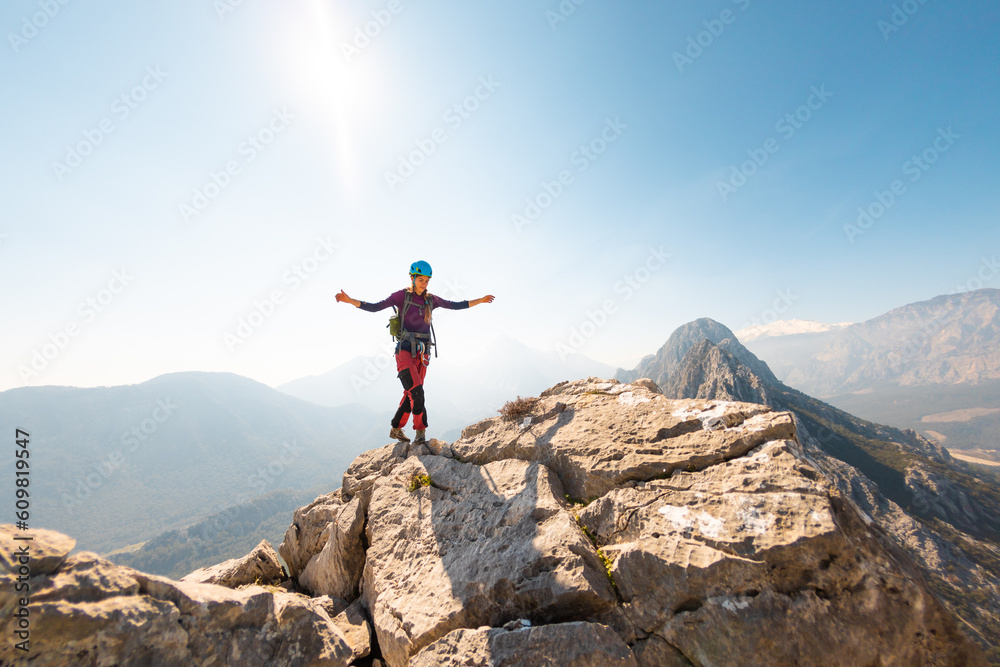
[708,371]
[787,328]
[664,364]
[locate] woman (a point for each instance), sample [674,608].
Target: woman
[415,305]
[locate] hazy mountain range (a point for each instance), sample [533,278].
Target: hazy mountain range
[932,366]
[952,339]
[114,466]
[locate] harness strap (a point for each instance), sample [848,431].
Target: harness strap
[413,336]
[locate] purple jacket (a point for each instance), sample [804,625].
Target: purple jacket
[414,317]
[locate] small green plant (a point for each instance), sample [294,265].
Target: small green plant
[575,501]
[518,409]
[586,531]
[418,481]
[608,566]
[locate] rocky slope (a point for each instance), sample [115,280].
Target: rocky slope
[84,610]
[602,524]
[944,514]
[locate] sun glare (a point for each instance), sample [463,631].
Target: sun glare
[338,92]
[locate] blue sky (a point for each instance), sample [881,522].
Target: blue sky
[170,169]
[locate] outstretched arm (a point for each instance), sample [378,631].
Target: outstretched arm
[486,299]
[343,298]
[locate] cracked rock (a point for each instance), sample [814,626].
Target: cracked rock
[480,545]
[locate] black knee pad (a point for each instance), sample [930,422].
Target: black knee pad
[418,399]
[404,377]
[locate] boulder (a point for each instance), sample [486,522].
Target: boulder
[607,434]
[566,644]
[117,630]
[455,545]
[260,566]
[307,535]
[88,610]
[439,448]
[356,628]
[336,569]
[370,466]
[48,548]
[83,577]
[760,561]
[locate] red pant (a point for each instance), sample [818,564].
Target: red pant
[412,370]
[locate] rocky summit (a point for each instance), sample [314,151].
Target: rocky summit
[600,523]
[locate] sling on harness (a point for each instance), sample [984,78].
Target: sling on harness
[419,342]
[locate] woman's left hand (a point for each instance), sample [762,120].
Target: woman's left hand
[486,299]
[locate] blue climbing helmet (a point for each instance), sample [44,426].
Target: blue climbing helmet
[420,268]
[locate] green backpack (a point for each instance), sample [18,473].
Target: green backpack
[396,321]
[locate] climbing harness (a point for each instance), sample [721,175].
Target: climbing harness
[419,342]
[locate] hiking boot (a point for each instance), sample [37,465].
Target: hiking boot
[420,439]
[398,434]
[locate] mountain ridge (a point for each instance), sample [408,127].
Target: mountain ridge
[952,338]
[901,366]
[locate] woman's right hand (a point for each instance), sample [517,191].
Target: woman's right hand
[343,298]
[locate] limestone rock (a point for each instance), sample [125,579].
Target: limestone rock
[368,467]
[48,548]
[356,628]
[646,383]
[569,644]
[307,535]
[654,651]
[891,473]
[260,566]
[336,569]
[118,630]
[439,448]
[332,606]
[83,577]
[733,564]
[609,434]
[90,611]
[455,545]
